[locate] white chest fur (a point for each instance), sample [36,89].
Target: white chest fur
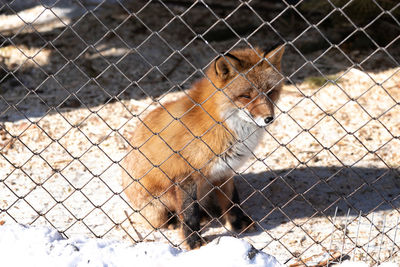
[248,136]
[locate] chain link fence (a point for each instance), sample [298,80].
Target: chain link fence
[78,77]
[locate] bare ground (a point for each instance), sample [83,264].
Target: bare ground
[325,177]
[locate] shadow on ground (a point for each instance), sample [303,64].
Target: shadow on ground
[275,198]
[115,52]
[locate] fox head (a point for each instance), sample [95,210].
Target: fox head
[250,83]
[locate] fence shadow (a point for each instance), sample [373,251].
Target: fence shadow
[272,199]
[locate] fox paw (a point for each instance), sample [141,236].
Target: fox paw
[239,222]
[194,241]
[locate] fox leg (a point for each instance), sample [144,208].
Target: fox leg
[189,213]
[233,215]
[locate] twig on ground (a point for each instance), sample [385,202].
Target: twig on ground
[131,223]
[323,259]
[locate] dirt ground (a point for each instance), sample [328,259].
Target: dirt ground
[326,176]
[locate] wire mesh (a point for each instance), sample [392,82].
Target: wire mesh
[77,78]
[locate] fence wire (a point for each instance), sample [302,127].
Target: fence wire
[77,78]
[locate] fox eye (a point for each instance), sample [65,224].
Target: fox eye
[269,94]
[245,96]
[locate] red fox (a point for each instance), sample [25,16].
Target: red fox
[183,155]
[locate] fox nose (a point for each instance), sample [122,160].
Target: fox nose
[269,119]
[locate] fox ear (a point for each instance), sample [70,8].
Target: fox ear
[227,66]
[274,56]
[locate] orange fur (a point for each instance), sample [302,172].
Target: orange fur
[183,139]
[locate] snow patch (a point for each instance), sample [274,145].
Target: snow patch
[42,246]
